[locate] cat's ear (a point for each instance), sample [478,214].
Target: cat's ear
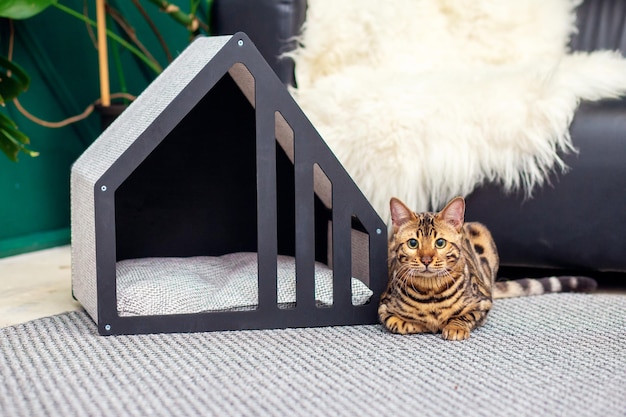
[400,213]
[454,213]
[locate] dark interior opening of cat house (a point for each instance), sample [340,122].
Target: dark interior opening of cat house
[194,197]
[195,194]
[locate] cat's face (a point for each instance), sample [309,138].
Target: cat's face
[426,244]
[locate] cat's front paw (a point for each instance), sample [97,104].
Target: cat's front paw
[397,325]
[455,332]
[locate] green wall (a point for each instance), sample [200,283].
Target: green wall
[61,59]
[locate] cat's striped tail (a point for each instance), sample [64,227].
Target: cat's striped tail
[537,286]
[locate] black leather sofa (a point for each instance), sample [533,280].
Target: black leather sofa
[576,223]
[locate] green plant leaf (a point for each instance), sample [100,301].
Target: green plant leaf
[20,137]
[23,9]
[10,149]
[12,141]
[16,71]
[15,83]
[13,145]
[9,88]
[6,122]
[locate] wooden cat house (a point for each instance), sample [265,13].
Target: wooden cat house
[212,203]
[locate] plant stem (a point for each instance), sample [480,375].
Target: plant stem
[190,21]
[103,53]
[129,31]
[153,66]
[118,67]
[154,29]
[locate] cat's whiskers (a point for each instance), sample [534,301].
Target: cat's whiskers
[447,276]
[406,276]
[409,276]
[419,277]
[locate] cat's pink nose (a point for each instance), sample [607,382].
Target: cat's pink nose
[426,260]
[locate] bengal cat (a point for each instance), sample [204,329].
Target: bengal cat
[442,274]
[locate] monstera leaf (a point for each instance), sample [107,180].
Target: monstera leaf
[23,9]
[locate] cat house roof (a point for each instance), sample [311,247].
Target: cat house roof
[215,157]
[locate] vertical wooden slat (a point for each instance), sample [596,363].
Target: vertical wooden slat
[267,235]
[305,223]
[342,251]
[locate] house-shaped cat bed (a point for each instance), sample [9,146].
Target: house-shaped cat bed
[212,203]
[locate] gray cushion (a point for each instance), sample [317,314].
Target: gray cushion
[156,286]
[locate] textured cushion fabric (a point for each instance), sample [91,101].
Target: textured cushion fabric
[155,286]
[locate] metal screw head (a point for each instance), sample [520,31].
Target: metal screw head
[107,327]
[240,42]
[103,188]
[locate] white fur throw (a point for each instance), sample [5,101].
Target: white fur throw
[426,99]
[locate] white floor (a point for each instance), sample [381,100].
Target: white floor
[35,285]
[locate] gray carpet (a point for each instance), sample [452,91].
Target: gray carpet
[552,355]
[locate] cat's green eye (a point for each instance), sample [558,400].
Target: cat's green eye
[412,243]
[440,243]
